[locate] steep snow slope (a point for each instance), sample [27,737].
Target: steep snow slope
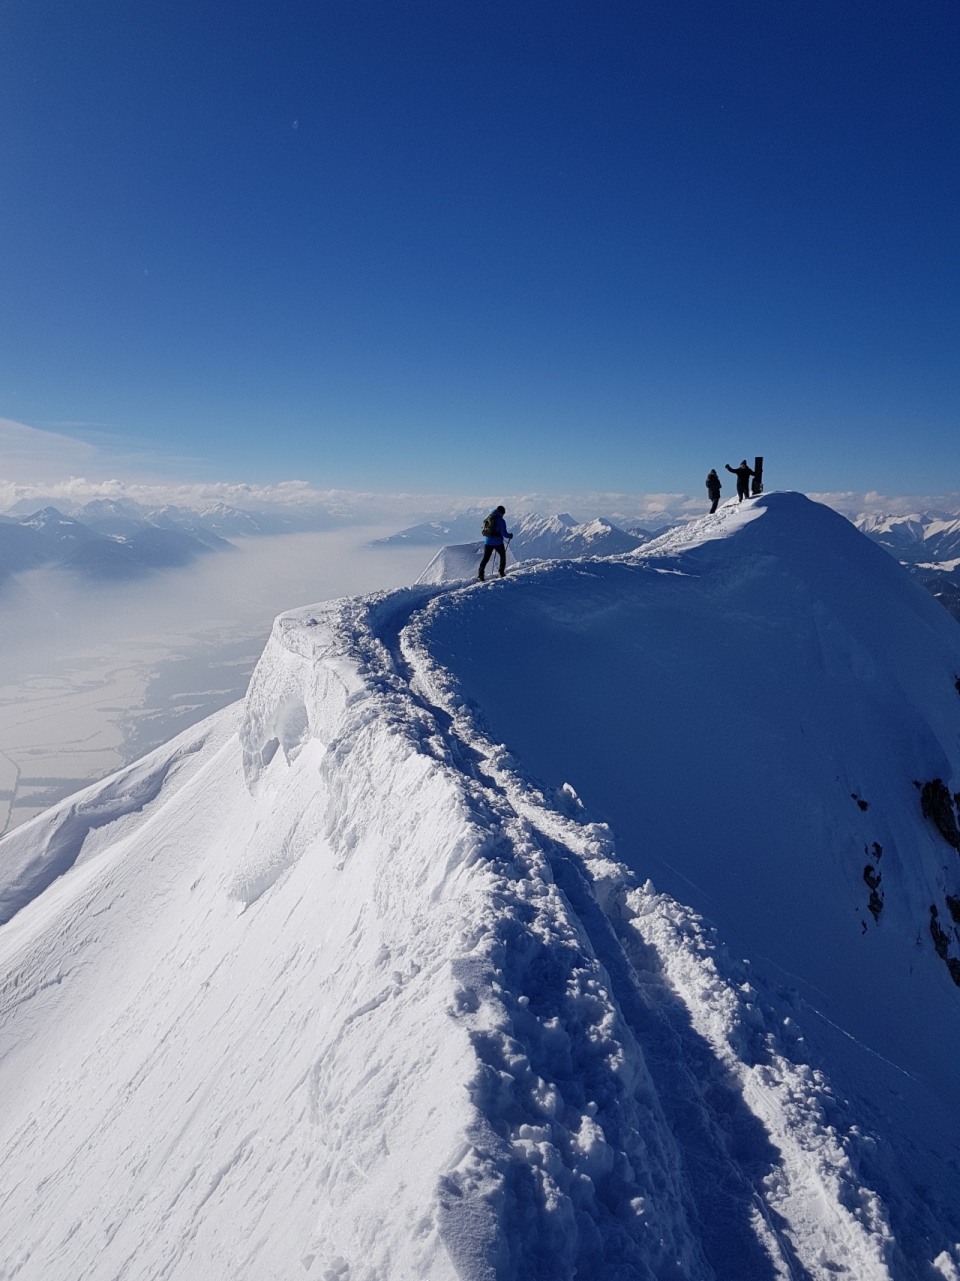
[751,702]
[348,994]
[929,543]
[340,1080]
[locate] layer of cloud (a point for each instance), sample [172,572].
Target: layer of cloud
[852,504]
[94,674]
[47,466]
[225,596]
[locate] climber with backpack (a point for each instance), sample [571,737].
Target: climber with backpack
[494,531]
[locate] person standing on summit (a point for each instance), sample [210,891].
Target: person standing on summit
[494,532]
[743,474]
[713,487]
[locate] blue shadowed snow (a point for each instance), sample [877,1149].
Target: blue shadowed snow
[724,699]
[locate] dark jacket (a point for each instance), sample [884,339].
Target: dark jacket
[500,525]
[741,472]
[713,485]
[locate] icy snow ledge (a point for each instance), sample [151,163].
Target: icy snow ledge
[49,845]
[534,1138]
[560,1162]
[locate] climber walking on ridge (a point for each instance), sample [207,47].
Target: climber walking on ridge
[713,487]
[494,532]
[743,474]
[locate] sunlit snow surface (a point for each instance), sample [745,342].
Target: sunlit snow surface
[369,978]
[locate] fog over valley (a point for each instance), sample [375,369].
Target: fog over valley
[150,605]
[95,673]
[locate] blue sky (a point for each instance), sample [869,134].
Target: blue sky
[483,245]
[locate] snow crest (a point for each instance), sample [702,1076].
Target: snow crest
[342,991]
[566,1163]
[726,1081]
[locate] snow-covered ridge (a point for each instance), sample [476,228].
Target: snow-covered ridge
[613,1132]
[353,995]
[466,883]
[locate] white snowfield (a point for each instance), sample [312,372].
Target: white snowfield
[367,979]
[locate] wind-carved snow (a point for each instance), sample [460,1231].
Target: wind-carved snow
[37,855]
[362,992]
[523,987]
[460,561]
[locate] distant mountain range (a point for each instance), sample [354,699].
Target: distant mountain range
[924,538]
[108,539]
[110,542]
[110,515]
[926,543]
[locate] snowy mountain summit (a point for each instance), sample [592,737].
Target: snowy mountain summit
[601,922]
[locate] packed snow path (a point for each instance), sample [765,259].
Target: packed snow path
[351,983]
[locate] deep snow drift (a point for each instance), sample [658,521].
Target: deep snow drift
[397,971]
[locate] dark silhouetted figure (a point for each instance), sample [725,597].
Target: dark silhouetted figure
[743,474]
[713,488]
[494,532]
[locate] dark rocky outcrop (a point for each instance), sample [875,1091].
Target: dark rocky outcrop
[938,806]
[941,943]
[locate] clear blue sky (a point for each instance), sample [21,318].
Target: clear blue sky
[488,246]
